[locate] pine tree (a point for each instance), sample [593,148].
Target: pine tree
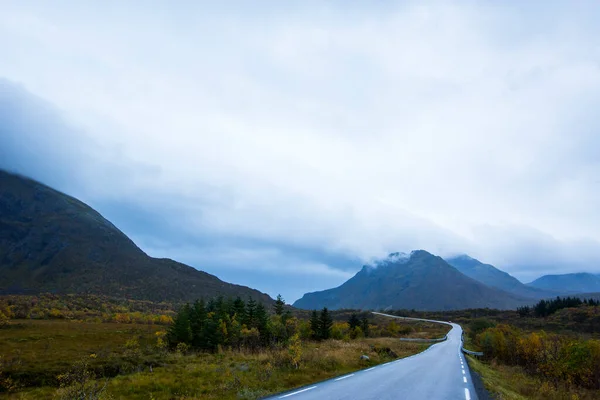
[239,309]
[325,324]
[180,331]
[211,336]
[540,309]
[262,323]
[197,320]
[353,322]
[279,305]
[364,324]
[220,307]
[250,317]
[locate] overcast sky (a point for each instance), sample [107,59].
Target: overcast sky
[281,145]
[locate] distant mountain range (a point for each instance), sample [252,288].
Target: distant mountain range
[418,280]
[573,283]
[423,281]
[51,242]
[492,276]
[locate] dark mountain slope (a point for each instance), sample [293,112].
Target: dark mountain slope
[420,281]
[51,242]
[581,282]
[492,276]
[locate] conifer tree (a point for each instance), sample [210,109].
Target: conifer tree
[262,323]
[364,324]
[210,337]
[239,309]
[353,321]
[325,324]
[250,317]
[197,320]
[180,331]
[279,305]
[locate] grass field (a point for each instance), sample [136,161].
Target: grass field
[512,383]
[35,352]
[235,375]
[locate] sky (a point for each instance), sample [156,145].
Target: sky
[282,145]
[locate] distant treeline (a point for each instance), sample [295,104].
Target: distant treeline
[83,307]
[547,307]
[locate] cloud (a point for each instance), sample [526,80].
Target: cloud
[340,131]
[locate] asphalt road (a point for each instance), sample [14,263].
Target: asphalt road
[438,373]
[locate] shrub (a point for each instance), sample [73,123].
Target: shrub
[558,359]
[295,350]
[79,384]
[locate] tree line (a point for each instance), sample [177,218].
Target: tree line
[545,308]
[238,323]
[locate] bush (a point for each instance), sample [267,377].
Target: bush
[295,350]
[558,359]
[479,325]
[79,384]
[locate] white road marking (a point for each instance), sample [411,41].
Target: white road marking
[467,394]
[344,377]
[370,369]
[299,391]
[463,372]
[464,379]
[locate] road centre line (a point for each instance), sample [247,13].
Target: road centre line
[344,377]
[464,379]
[299,391]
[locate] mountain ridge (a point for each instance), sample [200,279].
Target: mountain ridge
[577,282]
[53,242]
[423,281]
[494,277]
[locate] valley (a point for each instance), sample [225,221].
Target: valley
[83,310]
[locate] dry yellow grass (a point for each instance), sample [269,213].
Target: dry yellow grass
[512,383]
[244,375]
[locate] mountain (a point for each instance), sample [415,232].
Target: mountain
[581,282]
[419,281]
[492,276]
[51,242]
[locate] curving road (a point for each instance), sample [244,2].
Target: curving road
[438,373]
